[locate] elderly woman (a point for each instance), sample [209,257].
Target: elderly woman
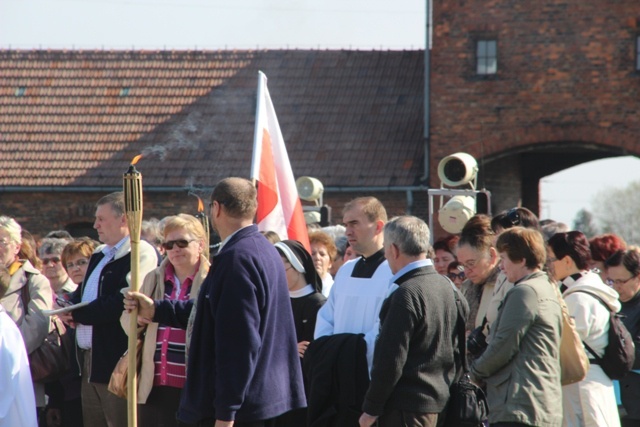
[623,274]
[304,286]
[480,262]
[28,294]
[50,253]
[521,365]
[323,251]
[175,282]
[591,401]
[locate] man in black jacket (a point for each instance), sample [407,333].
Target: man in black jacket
[414,360]
[99,336]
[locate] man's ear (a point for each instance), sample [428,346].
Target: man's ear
[395,251]
[379,226]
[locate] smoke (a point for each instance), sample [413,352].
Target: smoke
[182,137]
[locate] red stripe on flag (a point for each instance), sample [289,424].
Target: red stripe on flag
[267,183]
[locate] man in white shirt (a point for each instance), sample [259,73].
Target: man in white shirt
[99,336]
[361,285]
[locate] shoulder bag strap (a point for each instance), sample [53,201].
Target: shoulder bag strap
[589,349]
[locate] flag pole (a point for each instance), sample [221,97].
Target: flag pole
[257,137]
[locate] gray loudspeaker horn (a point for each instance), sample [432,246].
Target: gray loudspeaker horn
[309,189]
[458,169]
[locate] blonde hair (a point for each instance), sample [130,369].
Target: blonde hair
[186,222]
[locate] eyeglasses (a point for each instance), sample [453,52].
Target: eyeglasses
[618,282]
[470,265]
[181,243]
[4,243]
[54,260]
[454,276]
[551,259]
[79,263]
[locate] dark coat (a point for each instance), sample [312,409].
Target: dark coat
[417,325]
[630,384]
[243,358]
[336,371]
[109,342]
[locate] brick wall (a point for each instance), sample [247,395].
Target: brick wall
[566,83]
[42,212]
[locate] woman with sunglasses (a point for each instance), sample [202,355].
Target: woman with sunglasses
[623,274]
[52,267]
[591,401]
[175,282]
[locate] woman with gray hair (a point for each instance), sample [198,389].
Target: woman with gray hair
[27,295]
[50,253]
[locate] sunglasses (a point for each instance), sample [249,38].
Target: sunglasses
[454,276]
[53,260]
[181,243]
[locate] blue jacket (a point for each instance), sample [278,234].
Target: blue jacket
[243,359]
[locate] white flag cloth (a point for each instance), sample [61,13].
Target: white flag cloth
[279,207]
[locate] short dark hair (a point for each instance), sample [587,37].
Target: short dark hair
[573,244]
[516,217]
[237,196]
[629,259]
[477,233]
[521,243]
[447,244]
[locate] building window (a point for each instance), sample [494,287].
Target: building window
[638,53]
[486,57]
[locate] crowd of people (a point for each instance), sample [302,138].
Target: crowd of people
[361,328]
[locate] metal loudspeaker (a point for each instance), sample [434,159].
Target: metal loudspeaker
[458,169]
[456,212]
[309,189]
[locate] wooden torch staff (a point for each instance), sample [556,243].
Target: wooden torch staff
[132,185]
[204,220]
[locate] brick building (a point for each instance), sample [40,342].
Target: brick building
[528,89]
[532,88]
[71,121]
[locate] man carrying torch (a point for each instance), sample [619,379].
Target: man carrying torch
[100,338]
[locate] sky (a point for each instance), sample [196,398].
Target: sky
[250,24]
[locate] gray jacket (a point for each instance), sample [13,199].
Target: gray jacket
[521,365]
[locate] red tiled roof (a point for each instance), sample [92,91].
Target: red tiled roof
[77,118]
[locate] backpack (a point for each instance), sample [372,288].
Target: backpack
[620,354]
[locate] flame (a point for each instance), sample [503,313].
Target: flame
[200,205]
[135,159]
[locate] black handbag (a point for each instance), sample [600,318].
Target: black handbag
[467,406]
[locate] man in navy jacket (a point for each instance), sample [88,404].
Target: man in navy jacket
[243,368]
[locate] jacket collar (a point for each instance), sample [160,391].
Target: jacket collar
[238,235]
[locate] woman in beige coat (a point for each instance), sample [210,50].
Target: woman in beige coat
[28,294]
[175,282]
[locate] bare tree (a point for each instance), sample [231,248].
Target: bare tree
[617,210]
